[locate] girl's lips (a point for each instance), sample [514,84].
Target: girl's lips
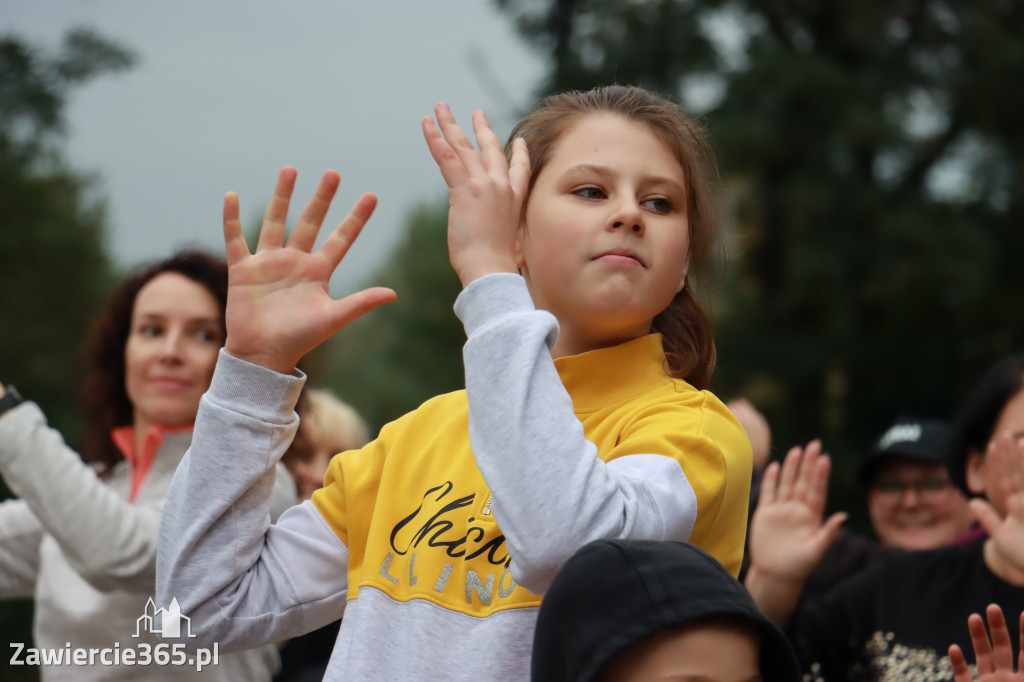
[619,259]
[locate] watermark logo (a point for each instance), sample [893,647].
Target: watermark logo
[171,621]
[170,624]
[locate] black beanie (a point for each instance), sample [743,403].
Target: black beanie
[614,593]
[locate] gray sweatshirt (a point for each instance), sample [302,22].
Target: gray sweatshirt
[244,582]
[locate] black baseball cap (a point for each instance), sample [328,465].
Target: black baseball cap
[614,593]
[925,440]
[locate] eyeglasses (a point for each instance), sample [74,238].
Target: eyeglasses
[931,489]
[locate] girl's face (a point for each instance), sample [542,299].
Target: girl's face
[983,479]
[176,333]
[605,240]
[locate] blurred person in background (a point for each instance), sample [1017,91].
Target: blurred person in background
[897,618]
[82,537]
[911,497]
[328,426]
[618,611]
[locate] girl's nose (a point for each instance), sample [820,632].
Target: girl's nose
[636,226]
[628,215]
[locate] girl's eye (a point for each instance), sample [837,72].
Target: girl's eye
[589,193]
[149,330]
[658,204]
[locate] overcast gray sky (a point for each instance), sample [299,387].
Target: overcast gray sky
[225,93]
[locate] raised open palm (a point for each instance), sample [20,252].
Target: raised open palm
[485,195]
[787,537]
[279,307]
[1004,550]
[994,660]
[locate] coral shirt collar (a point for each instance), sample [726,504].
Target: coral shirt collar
[142,462]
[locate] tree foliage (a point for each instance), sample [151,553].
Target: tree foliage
[410,350]
[53,269]
[873,163]
[54,272]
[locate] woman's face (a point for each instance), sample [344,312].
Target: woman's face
[914,505]
[984,479]
[176,333]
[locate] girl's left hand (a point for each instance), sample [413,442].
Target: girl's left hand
[1004,550]
[485,194]
[994,660]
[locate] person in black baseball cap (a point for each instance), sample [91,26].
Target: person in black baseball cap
[624,610]
[911,498]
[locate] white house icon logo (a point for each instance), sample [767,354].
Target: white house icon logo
[170,625]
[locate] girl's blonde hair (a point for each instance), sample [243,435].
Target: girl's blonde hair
[685,328]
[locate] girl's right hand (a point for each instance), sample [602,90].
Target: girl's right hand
[485,194]
[278,305]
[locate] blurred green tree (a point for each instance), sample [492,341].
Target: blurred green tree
[410,350]
[54,272]
[873,187]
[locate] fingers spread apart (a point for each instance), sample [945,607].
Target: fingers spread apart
[338,242]
[304,233]
[458,158]
[276,216]
[803,476]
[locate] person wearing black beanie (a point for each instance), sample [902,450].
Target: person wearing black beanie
[620,608]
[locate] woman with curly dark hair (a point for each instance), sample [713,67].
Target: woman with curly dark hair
[82,537]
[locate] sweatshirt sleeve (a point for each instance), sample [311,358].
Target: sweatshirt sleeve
[20,534]
[551,493]
[111,543]
[242,581]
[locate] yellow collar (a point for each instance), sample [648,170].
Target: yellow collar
[610,375]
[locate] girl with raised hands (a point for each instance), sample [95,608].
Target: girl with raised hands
[585,413]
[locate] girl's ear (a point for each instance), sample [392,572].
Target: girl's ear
[682,282]
[975,472]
